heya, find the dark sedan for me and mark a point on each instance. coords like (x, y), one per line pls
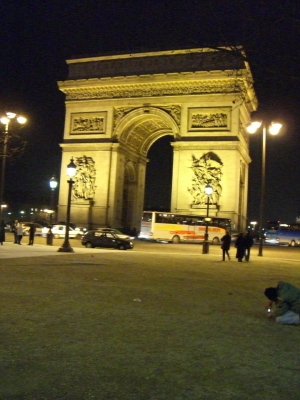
(96, 238)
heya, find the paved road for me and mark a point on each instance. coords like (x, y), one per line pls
(40, 248)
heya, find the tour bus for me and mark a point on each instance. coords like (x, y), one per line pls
(285, 235)
(176, 228)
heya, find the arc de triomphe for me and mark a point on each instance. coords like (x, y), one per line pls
(118, 106)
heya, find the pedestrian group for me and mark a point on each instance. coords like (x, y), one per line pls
(284, 300)
(18, 231)
(243, 246)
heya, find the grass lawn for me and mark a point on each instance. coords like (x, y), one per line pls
(138, 328)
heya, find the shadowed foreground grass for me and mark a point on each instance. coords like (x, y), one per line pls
(126, 328)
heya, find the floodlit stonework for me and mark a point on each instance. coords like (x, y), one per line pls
(118, 106)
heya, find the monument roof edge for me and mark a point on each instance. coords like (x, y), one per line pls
(145, 54)
(172, 61)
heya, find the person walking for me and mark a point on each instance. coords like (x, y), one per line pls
(32, 229)
(19, 232)
(14, 231)
(240, 247)
(226, 240)
(248, 240)
(2, 231)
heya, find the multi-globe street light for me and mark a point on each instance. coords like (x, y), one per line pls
(71, 172)
(273, 128)
(205, 247)
(6, 120)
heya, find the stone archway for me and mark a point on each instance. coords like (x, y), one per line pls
(118, 106)
(136, 131)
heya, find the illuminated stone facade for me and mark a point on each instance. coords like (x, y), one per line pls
(118, 106)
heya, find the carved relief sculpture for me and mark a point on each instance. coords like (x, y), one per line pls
(87, 123)
(209, 119)
(85, 178)
(207, 171)
(120, 112)
(173, 110)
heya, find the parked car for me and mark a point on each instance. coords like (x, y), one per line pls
(97, 238)
(59, 231)
(26, 227)
(72, 225)
(120, 234)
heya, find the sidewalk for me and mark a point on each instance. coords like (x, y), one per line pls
(11, 250)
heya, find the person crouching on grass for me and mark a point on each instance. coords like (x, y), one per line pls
(286, 300)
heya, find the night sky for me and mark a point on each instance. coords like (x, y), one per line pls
(37, 37)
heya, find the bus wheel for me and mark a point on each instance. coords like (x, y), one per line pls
(215, 240)
(292, 244)
(175, 239)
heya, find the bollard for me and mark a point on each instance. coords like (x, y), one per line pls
(50, 238)
(205, 247)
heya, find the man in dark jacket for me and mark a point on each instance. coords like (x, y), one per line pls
(226, 240)
(286, 298)
(240, 247)
(248, 243)
(32, 230)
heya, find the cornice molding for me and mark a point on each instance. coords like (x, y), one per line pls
(92, 91)
(180, 146)
(88, 146)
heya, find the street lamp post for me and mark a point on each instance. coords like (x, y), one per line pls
(5, 120)
(205, 247)
(3, 206)
(253, 223)
(273, 129)
(71, 171)
(53, 185)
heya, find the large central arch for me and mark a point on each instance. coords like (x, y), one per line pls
(140, 128)
(118, 106)
(136, 131)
